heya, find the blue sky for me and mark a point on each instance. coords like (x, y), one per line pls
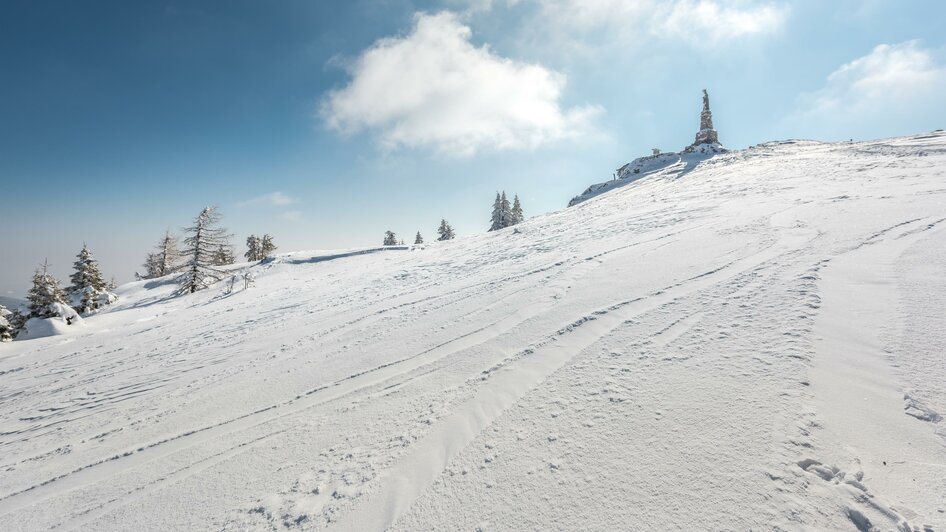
(327, 123)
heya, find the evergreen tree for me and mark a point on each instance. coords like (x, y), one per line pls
(445, 231)
(506, 211)
(203, 243)
(267, 247)
(390, 239)
(165, 260)
(45, 294)
(418, 239)
(223, 256)
(253, 248)
(517, 216)
(7, 331)
(496, 220)
(151, 267)
(259, 248)
(88, 285)
(503, 215)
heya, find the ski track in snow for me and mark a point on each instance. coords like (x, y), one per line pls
(754, 344)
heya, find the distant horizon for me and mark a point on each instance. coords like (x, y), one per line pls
(119, 121)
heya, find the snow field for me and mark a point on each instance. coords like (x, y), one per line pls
(754, 343)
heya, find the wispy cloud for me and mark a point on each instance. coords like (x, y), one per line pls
(434, 89)
(586, 26)
(710, 22)
(894, 82)
(276, 199)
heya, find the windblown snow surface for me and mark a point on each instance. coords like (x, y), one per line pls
(755, 344)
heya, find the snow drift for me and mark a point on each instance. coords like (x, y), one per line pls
(754, 343)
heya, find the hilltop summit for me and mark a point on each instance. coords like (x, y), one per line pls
(704, 146)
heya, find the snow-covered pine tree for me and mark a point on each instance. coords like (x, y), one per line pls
(517, 216)
(445, 231)
(267, 247)
(390, 239)
(203, 242)
(6, 328)
(496, 219)
(505, 211)
(418, 239)
(253, 251)
(45, 294)
(88, 285)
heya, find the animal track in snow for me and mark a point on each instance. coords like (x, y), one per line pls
(915, 408)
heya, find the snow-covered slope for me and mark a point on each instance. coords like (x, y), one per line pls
(755, 343)
(669, 165)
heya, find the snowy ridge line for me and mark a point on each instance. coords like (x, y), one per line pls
(503, 386)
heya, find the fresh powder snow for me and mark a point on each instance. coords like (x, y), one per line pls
(734, 340)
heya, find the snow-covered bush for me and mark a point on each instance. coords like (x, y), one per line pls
(47, 312)
(59, 319)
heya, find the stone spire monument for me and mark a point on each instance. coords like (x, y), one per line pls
(706, 134)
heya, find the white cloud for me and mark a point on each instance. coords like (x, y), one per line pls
(434, 89)
(275, 199)
(893, 84)
(899, 70)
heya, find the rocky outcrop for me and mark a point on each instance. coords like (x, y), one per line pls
(706, 134)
